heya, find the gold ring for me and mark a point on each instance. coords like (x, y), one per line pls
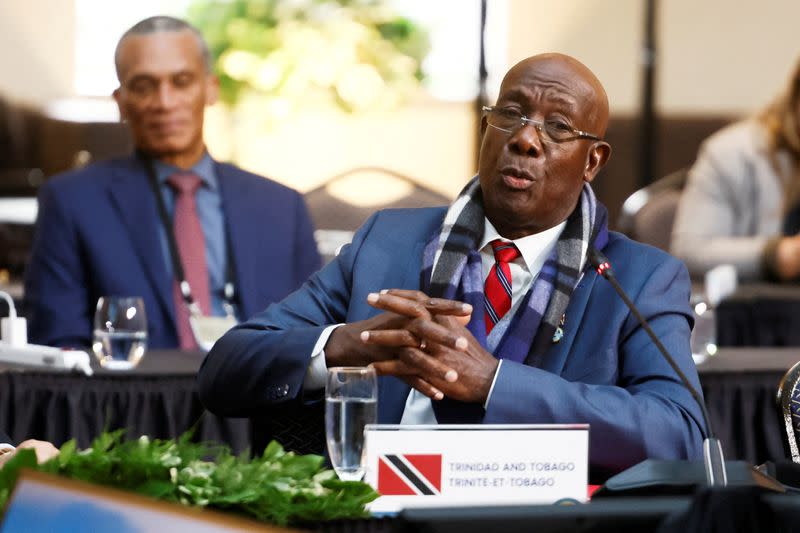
(423, 344)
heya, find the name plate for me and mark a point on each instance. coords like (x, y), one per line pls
(412, 466)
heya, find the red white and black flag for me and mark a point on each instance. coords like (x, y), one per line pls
(410, 475)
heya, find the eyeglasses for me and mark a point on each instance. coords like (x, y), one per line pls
(554, 131)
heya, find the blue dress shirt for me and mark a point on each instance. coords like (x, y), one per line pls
(212, 219)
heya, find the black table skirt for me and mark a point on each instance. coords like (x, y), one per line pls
(744, 415)
(740, 387)
(760, 315)
(158, 399)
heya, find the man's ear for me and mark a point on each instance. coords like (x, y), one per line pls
(484, 124)
(595, 160)
(117, 96)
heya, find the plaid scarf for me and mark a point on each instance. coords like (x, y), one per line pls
(452, 269)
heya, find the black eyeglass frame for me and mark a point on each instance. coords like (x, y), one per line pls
(541, 126)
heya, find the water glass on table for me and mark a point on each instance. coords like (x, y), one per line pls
(704, 334)
(351, 402)
(120, 332)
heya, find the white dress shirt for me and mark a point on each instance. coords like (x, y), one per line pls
(534, 250)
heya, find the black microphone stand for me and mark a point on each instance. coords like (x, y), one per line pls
(713, 459)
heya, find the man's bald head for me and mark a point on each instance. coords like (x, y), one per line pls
(571, 73)
(531, 180)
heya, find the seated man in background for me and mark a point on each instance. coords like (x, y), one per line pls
(741, 204)
(545, 341)
(44, 450)
(241, 240)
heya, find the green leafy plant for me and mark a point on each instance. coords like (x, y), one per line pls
(278, 487)
(354, 54)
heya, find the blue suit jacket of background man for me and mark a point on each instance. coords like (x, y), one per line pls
(98, 234)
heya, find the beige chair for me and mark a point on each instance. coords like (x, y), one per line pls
(649, 213)
(343, 202)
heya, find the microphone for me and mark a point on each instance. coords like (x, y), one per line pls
(713, 460)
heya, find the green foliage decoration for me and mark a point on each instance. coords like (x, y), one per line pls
(279, 487)
(356, 55)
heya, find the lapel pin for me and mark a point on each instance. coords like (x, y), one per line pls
(559, 334)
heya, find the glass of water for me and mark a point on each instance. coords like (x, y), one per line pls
(704, 334)
(351, 402)
(120, 332)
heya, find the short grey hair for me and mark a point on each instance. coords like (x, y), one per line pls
(163, 23)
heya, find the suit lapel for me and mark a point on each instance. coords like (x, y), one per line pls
(411, 273)
(555, 358)
(393, 393)
(241, 234)
(131, 195)
(392, 396)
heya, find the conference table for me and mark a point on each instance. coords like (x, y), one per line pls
(744, 508)
(159, 398)
(760, 314)
(740, 387)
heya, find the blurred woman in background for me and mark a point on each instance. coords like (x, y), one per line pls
(741, 204)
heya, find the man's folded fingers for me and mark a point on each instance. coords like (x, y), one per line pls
(397, 304)
(408, 294)
(424, 387)
(400, 370)
(426, 365)
(390, 337)
(393, 367)
(439, 306)
(438, 333)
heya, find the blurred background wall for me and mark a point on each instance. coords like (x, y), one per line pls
(715, 56)
(717, 60)
(37, 49)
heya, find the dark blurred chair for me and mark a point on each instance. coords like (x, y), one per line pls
(789, 404)
(343, 203)
(649, 213)
(35, 144)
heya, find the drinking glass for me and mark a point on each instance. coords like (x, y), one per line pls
(351, 402)
(120, 332)
(704, 334)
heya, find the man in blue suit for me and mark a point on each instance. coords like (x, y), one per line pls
(488, 311)
(242, 241)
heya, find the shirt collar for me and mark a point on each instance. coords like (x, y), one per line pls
(204, 169)
(533, 248)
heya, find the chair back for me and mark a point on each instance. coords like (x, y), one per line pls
(343, 202)
(649, 213)
(789, 406)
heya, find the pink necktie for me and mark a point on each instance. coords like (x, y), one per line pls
(192, 249)
(497, 289)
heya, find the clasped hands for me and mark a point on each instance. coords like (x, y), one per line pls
(420, 340)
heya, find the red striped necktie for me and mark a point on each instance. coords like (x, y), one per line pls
(192, 249)
(497, 289)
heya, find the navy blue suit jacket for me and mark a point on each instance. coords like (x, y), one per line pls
(4, 438)
(605, 371)
(97, 234)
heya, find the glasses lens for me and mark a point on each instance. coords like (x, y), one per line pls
(505, 119)
(558, 131)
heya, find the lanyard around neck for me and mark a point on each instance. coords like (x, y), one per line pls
(228, 292)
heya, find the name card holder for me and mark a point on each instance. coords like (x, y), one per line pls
(452, 465)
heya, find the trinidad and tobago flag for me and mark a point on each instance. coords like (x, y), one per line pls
(409, 475)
